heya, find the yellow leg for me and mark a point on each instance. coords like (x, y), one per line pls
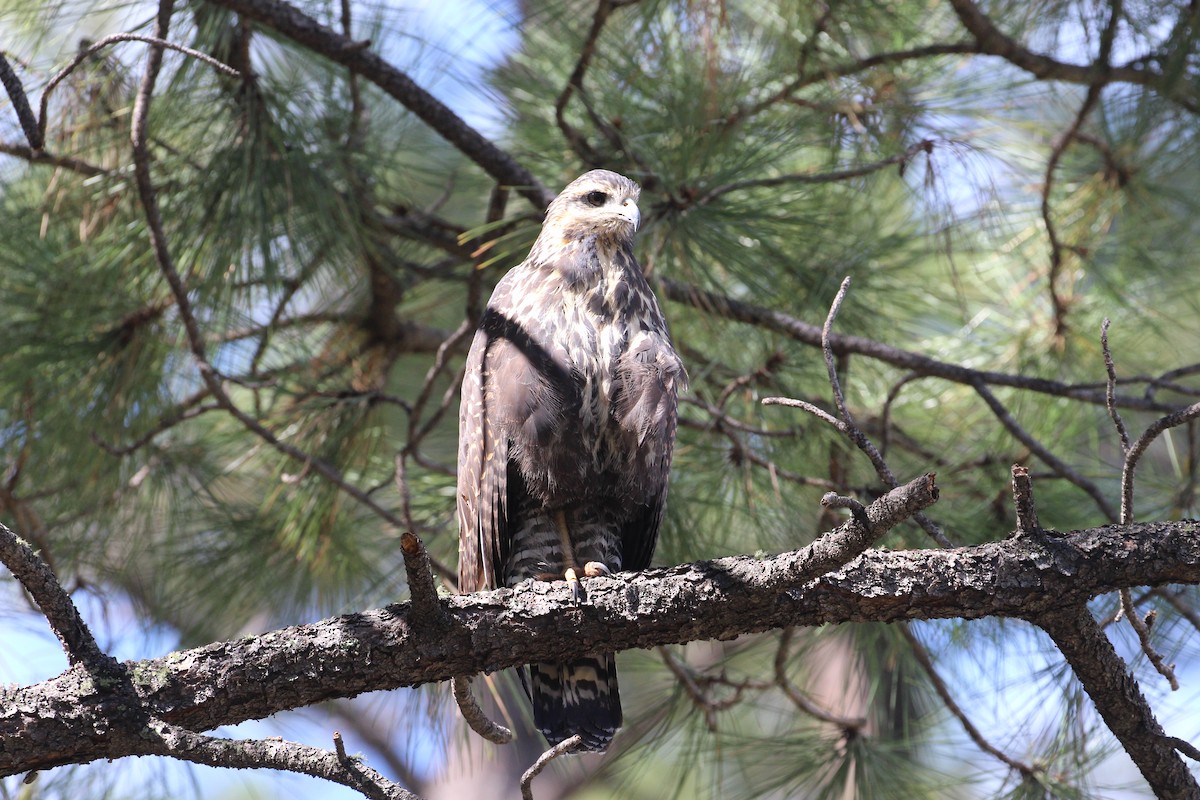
(568, 556)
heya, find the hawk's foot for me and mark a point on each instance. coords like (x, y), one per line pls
(571, 575)
(578, 595)
(594, 569)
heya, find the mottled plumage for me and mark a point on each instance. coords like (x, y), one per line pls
(566, 429)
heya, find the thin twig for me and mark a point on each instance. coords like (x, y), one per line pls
(83, 55)
(1127, 606)
(852, 430)
(1055, 463)
(808, 178)
(1110, 394)
(857, 509)
(163, 738)
(943, 691)
(691, 682)
(1143, 633)
(1185, 747)
(850, 725)
(727, 307)
(562, 748)
(1139, 449)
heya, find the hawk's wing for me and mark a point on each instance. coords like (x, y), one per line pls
(482, 478)
(651, 377)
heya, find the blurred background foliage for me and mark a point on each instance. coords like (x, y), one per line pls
(333, 245)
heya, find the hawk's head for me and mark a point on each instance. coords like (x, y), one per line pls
(597, 203)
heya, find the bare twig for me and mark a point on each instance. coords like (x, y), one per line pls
(1110, 394)
(1055, 463)
(1185, 747)
(846, 424)
(1139, 449)
(562, 748)
(697, 686)
(1143, 633)
(475, 715)
(427, 608)
(852, 430)
(925, 146)
(86, 53)
(1127, 606)
(166, 739)
(1022, 486)
(850, 725)
(857, 510)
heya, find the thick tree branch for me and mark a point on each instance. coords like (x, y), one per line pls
(1119, 700)
(54, 722)
(43, 586)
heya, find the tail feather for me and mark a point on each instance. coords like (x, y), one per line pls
(577, 697)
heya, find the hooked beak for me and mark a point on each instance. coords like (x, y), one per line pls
(629, 211)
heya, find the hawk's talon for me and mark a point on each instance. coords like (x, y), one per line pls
(578, 595)
(594, 569)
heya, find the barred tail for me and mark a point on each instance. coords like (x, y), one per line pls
(579, 697)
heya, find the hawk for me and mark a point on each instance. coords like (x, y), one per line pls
(566, 430)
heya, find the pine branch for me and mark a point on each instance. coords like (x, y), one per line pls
(990, 40)
(54, 722)
(36, 577)
(356, 56)
(807, 333)
(1119, 700)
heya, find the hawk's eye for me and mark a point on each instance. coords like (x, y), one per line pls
(595, 198)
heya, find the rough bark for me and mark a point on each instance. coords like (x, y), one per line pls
(1119, 701)
(72, 719)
